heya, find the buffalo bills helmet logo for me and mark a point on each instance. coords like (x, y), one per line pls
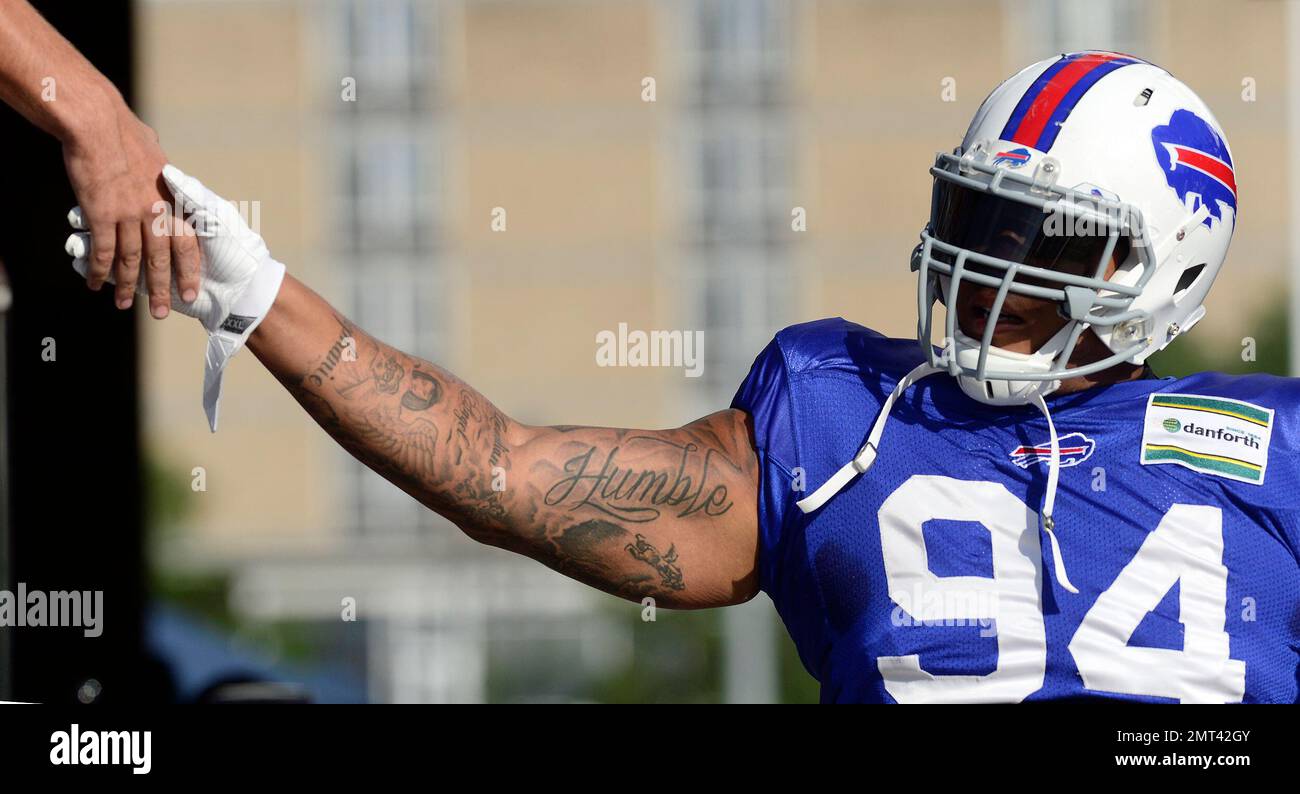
(1196, 163)
(1013, 158)
(1075, 449)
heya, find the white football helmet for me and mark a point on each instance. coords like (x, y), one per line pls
(1078, 156)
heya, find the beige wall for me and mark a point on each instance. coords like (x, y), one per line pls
(1213, 51)
(871, 117)
(570, 151)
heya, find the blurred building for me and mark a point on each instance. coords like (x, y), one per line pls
(667, 214)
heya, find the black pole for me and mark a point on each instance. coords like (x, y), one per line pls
(74, 489)
(6, 652)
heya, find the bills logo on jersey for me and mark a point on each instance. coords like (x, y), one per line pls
(1075, 449)
(1196, 163)
(1013, 158)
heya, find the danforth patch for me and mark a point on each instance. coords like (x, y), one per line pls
(1211, 435)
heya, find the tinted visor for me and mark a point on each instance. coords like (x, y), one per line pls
(1007, 229)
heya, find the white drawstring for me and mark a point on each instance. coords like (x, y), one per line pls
(867, 456)
(1049, 499)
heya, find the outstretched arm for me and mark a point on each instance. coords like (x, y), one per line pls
(665, 513)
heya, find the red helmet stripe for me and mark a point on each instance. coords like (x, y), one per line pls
(1206, 163)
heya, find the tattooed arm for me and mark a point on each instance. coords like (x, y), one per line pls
(664, 513)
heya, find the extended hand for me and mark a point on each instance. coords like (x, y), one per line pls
(125, 205)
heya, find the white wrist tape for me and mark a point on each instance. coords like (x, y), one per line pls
(230, 336)
(238, 282)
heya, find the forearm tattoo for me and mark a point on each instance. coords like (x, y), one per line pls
(588, 502)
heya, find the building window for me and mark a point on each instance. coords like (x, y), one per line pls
(742, 49)
(386, 230)
(1036, 30)
(739, 179)
(1119, 24)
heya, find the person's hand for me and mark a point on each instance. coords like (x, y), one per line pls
(239, 279)
(116, 174)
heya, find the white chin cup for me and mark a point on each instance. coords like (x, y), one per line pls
(1004, 392)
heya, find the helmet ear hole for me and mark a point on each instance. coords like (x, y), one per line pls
(1187, 279)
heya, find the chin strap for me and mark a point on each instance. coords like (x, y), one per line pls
(867, 456)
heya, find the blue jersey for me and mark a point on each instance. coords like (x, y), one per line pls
(929, 578)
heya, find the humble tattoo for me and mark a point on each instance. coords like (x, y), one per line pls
(637, 495)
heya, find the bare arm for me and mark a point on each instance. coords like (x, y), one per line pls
(31, 54)
(113, 159)
(665, 513)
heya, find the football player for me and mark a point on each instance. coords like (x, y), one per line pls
(1034, 514)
